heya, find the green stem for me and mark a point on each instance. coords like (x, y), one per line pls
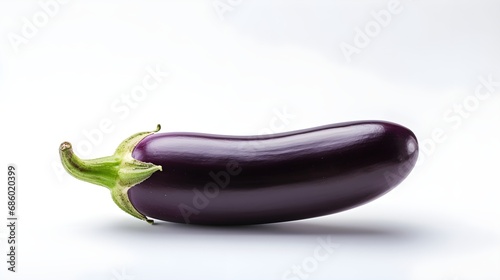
(118, 172)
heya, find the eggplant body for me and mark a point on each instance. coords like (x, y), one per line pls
(237, 180)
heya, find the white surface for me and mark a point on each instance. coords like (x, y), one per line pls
(231, 76)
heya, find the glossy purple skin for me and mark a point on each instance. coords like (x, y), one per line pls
(282, 177)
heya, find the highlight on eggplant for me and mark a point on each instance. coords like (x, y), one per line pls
(197, 178)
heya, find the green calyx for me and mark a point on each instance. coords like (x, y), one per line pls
(118, 172)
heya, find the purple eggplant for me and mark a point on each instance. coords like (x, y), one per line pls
(236, 180)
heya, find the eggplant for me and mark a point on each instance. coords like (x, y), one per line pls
(196, 178)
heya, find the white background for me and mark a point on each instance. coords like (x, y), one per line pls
(234, 71)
